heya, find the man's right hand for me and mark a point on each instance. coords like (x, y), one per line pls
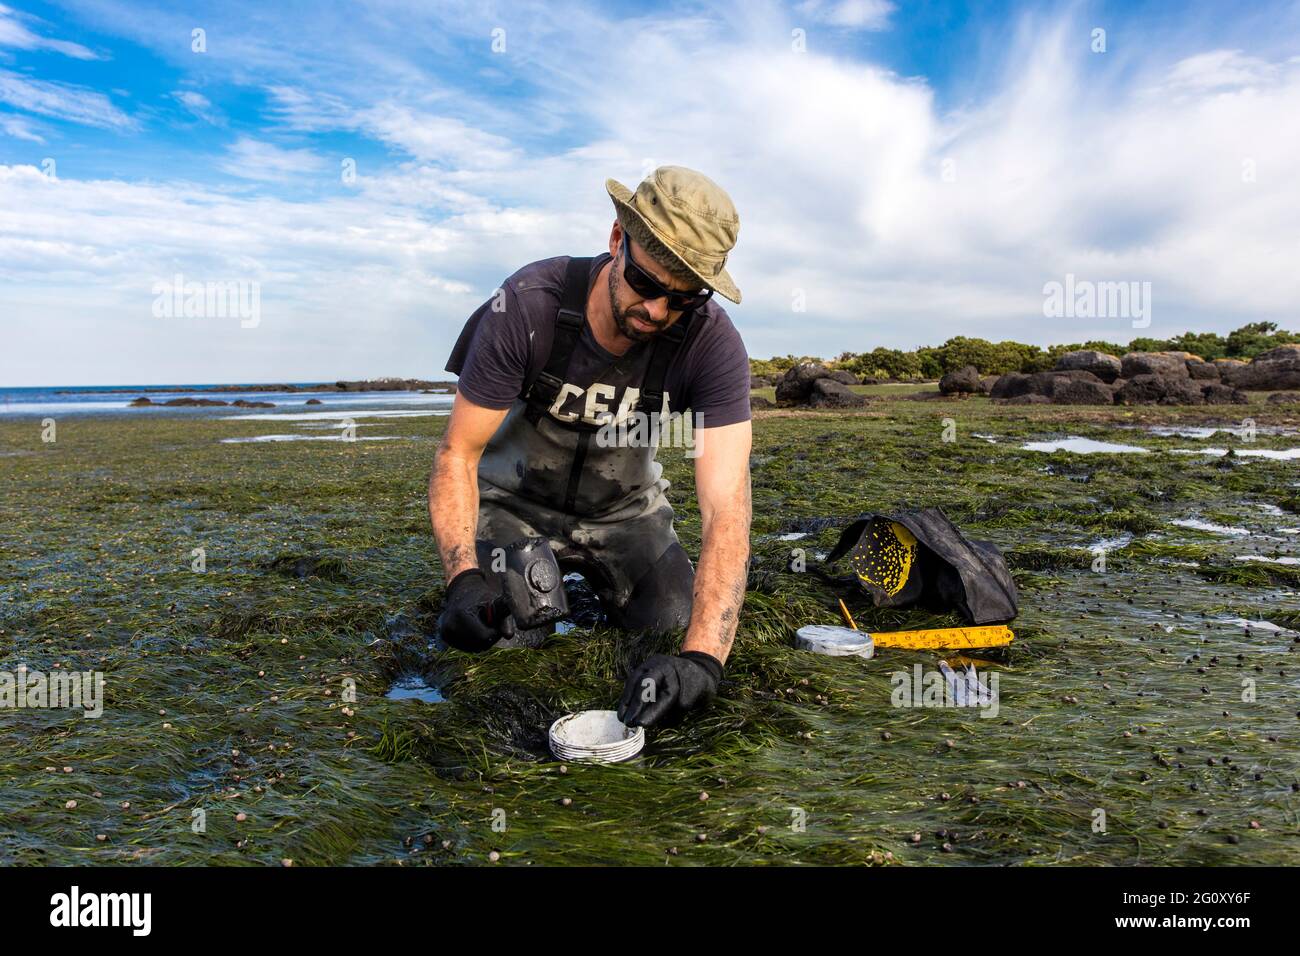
(473, 617)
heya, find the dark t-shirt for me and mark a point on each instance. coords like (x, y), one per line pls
(506, 342)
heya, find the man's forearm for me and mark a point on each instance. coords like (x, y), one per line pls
(720, 580)
(453, 510)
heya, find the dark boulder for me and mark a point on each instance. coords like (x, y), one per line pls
(1284, 398)
(1216, 393)
(1039, 383)
(1082, 392)
(761, 381)
(1159, 390)
(1010, 385)
(313, 401)
(843, 377)
(140, 402)
(796, 384)
(1269, 371)
(758, 401)
(828, 393)
(1172, 364)
(963, 381)
(1202, 371)
(1105, 367)
(245, 403)
(1028, 399)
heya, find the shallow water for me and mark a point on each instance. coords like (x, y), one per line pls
(1196, 524)
(269, 438)
(1275, 454)
(413, 687)
(1084, 446)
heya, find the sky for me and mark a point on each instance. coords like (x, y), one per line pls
(366, 174)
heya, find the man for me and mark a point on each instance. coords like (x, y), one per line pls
(564, 350)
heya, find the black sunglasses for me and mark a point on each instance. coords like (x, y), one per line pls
(648, 287)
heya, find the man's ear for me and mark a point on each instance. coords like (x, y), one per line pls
(615, 238)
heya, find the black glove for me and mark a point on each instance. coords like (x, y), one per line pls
(473, 617)
(681, 684)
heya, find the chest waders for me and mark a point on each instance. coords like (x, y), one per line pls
(547, 473)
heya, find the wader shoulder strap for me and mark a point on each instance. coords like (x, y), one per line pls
(666, 346)
(541, 394)
(543, 391)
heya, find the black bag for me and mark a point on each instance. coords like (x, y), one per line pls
(919, 557)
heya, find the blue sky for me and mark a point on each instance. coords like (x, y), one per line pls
(906, 171)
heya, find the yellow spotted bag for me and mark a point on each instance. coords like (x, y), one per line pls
(920, 557)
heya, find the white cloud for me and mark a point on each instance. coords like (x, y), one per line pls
(254, 159)
(1171, 169)
(438, 139)
(16, 36)
(19, 127)
(61, 101)
(199, 105)
(855, 14)
(1219, 70)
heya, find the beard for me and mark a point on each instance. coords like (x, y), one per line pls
(622, 317)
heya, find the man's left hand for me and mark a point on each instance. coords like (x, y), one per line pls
(664, 689)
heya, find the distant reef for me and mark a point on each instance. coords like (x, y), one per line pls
(372, 385)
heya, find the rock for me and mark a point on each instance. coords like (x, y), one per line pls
(1154, 363)
(1269, 371)
(760, 381)
(1028, 399)
(245, 403)
(828, 393)
(1049, 383)
(868, 380)
(1216, 393)
(796, 384)
(758, 401)
(813, 384)
(1082, 392)
(964, 381)
(141, 402)
(1283, 353)
(1228, 368)
(193, 402)
(1284, 398)
(1105, 367)
(313, 401)
(1160, 390)
(1014, 384)
(1011, 385)
(987, 382)
(1202, 371)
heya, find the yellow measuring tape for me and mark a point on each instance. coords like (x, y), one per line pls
(987, 635)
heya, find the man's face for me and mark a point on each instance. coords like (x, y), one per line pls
(639, 319)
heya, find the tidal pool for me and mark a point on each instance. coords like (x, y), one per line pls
(1084, 446)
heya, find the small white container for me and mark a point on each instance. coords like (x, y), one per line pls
(595, 736)
(834, 641)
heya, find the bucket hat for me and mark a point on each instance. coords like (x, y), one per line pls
(685, 214)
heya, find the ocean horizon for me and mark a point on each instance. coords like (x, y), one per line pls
(116, 399)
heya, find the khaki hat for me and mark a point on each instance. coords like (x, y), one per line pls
(685, 214)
